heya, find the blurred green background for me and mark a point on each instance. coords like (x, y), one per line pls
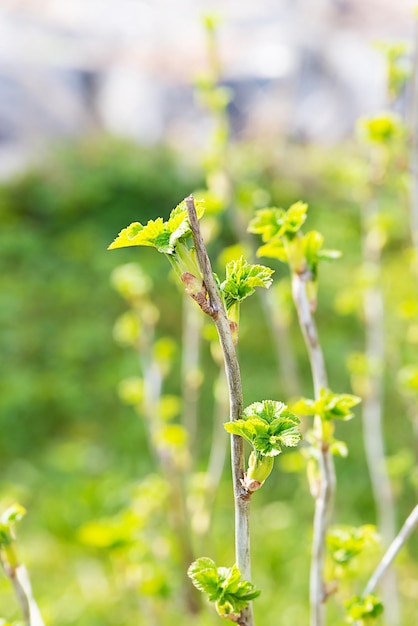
(96, 538)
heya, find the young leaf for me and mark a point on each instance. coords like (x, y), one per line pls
(157, 233)
(267, 223)
(346, 542)
(294, 218)
(274, 249)
(222, 585)
(241, 280)
(273, 222)
(204, 575)
(268, 426)
(360, 609)
(382, 129)
(329, 406)
(312, 246)
(13, 514)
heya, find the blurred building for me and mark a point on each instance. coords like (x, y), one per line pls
(304, 67)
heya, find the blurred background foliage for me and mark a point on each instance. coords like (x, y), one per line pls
(97, 538)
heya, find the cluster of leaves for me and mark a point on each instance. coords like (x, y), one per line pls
(171, 237)
(382, 129)
(329, 406)
(240, 282)
(398, 69)
(7, 522)
(346, 542)
(280, 232)
(268, 426)
(363, 610)
(174, 239)
(223, 586)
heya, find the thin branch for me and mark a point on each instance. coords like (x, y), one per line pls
(326, 487)
(214, 307)
(401, 538)
(19, 578)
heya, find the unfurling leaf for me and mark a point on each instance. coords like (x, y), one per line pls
(346, 542)
(383, 129)
(268, 426)
(329, 405)
(223, 586)
(241, 280)
(312, 246)
(274, 223)
(157, 233)
(361, 609)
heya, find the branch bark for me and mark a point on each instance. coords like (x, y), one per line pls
(326, 487)
(401, 538)
(214, 307)
(19, 577)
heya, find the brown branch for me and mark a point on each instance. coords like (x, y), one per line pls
(216, 310)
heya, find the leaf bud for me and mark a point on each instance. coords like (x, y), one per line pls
(259, 468)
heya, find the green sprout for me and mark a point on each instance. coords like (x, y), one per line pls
(329, 406)
(240, 282)
(223, 586)
(280, 232)
(346, 542)
(173, 238)
(382, 129)
(268, 426)
(363, 610)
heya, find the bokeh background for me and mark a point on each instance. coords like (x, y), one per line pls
(112, 113)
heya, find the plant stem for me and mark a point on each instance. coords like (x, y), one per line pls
(326, 487)
(372, 413)
(19, 577)
(401, 538)
(241, 497)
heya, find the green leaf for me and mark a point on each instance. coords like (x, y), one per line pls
(268, 426)
(329, 406)
(274, 249)
(274, 223)
(157, 233)
(312, 247)
(294, 218)
(222, 585)
(383, 129)
(13, 514)
(267, 223)
(241, 280)
(346, 542)
(367, 608)
(204, 575)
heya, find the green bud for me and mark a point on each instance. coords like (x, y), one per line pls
(259, 468)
